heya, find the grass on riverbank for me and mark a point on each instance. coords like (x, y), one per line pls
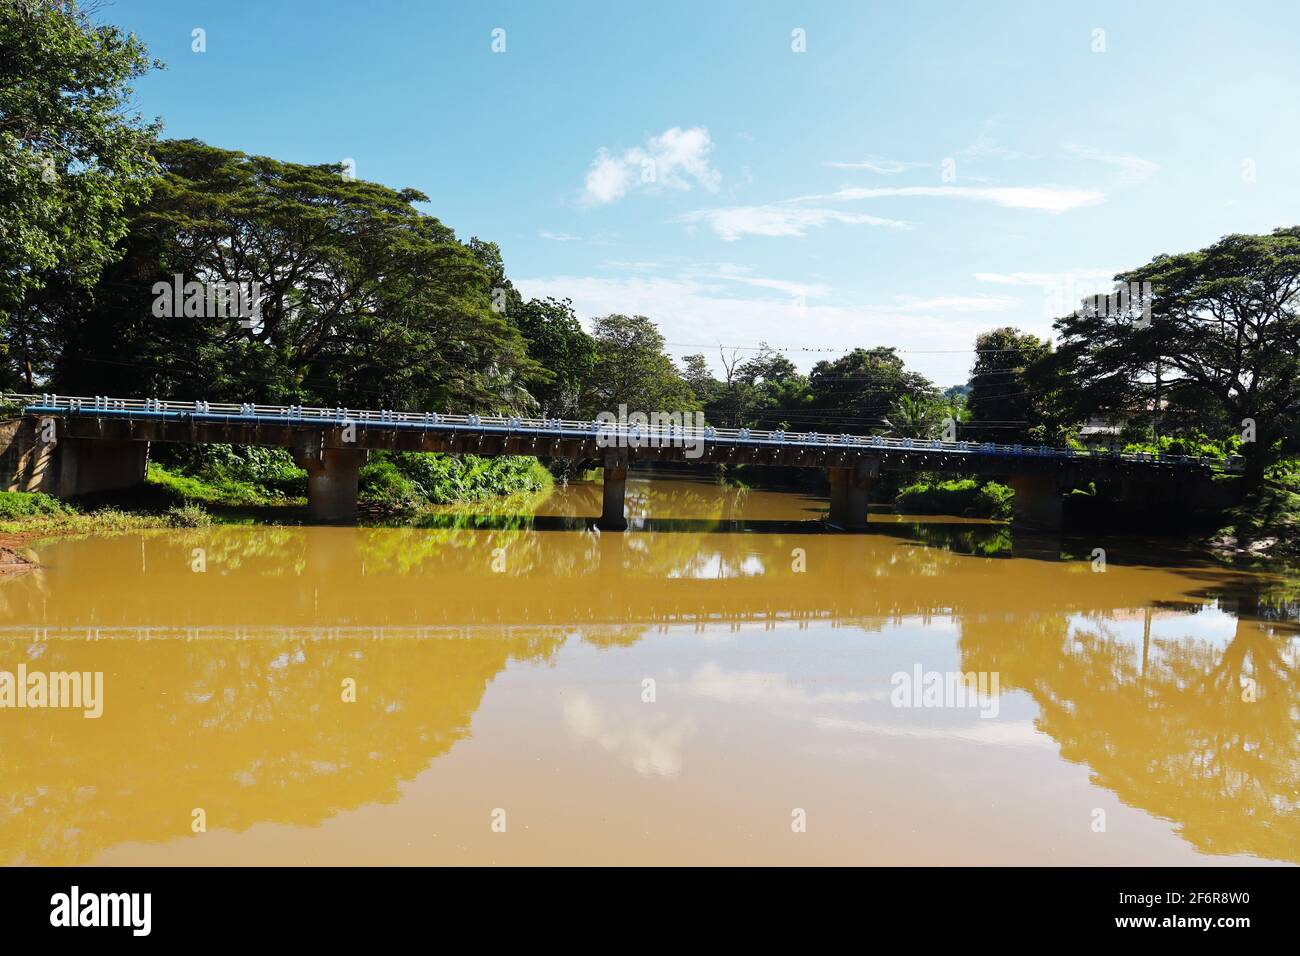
(1265, 525)
(184, 491)
(33, 514)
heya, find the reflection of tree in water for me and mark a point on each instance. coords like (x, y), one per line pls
(268, 551)
(606, 636)
(985, 540)
(254, 730)
(251, 731)
(1164, 723)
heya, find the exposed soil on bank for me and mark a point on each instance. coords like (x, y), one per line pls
(13, 558)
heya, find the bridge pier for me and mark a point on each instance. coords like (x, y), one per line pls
(1139, 493)
(332, 478)
(98, 464)
(88, 465)
(613, 492)
(67, 466)
(849, 490)
(1038, 505)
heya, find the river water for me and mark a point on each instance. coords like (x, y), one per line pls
(724, 683)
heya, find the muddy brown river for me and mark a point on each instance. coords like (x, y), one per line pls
(724, 683)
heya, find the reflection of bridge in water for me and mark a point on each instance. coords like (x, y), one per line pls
(567, 581)
(69, 445)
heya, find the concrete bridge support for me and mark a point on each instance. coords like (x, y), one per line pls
(1038, 504)
(33, 458)
(849, 490)
(87, 465)
(613, 492)
(332, 479)
(1141, 493)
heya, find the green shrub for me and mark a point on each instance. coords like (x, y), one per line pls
(1195, 445)
(26, 504)
(188, 515)
(237, 474)
(402, 481)
(994, 500)
(381, 481)
(211, 490)
(964, 496)
(411, 479)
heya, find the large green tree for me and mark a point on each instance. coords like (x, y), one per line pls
(763, 391)
(703, 383)
(1012, 397)
(565, 352)
(773, 389)
(73, 158)
(1223, 331)
(857, 392)
(633, 369)
(365, 300)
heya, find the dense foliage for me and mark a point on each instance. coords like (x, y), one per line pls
(1006, 404)
(1220, 350)
(231, 475)
(72, 160)
(964, 496)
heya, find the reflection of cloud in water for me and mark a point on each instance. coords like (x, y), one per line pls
(795, 701)
(1210, 623)
(713, 567)
(648, 742)
(1020, 733)
(771, 688)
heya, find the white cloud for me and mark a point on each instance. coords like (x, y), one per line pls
(765, 687)
(1053, 199)
(607, 179)
(649, 743)
(954, 303)
(1045, 279)
(879, 164)
(733, 222)
(698, 311)
(729, 272)
(631, 265)
(996, 733)
(676, 159)
(1132, 169)
(1062, 291)
(987, 147)
(559, 236)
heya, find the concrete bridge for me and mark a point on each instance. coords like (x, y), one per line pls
(67, 446)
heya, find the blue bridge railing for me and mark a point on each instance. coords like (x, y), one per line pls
(611, 434)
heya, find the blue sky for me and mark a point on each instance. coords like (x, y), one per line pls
(919, 173)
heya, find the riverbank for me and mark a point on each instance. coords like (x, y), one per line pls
(1265, 528)
(30, 516)
(259, 485)
(240, 477)
(421, 490)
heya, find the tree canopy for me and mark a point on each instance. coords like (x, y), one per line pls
(857, 391)
(1012, 398)
(72, 160)
(1223, 334)
(565, 352)
(633, 369)
(364, 299)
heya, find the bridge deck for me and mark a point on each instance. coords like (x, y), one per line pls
(253, 423)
